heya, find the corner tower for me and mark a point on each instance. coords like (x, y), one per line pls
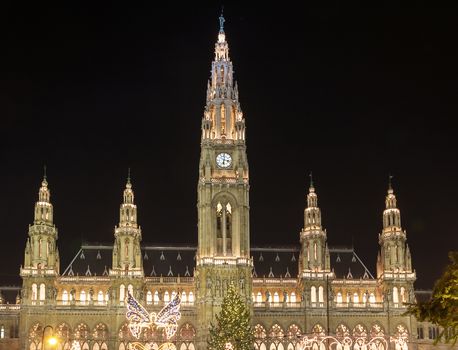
(127, 260)
(394, 263)
(41, 256)
(223, 255)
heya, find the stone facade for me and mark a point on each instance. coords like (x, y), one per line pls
(310, 288)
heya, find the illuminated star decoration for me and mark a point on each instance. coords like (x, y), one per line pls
(139, 318)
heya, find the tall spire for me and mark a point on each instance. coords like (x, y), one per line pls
(43, 208)
(312, 205)
(391, 214)
(128, 211)
(223, 117)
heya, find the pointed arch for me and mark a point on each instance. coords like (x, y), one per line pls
(318, 330)
(276, 332)
(81, 331)
(294, 332)
(100, 332)
(259, 332)
(342, 331)
(187, 332)
(359, 331)
(313, 294)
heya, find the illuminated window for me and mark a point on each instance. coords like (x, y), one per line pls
(276, 298)
(191, 297)
(372, 298)
(184, 297)
(320, 294)
(339, 298)
(42, 292)
(403, 294)
(395, 295)
(100, 297)
(356, 298)
(64, 297)
(292, 297)
(224, 229)
(156, 297)
(2, 331)
(149, 297)
(259, 297)
(166, 297)
(122, 293)
(83, 297)
(34, 291)
(313, 294)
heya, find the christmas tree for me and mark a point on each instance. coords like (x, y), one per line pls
(233, 325)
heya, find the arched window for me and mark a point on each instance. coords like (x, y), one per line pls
(100, 297)
(403, 295)
(259, 297)
(130, 288)
(293, 332)
(313, 294)
(320, 294)
(2, 331)
(359, 331)
(122, 294)
(318, 330)
(156, 297)
(184, 297)
(259, 332)
(395, 296)
(166, 297)
(223, 228)
(276, 332)
(339, 298)
(191, 298)
(100, 332)
(372, 298)
(149, 298)
(64, 297)
(42, 292)
(276, 298)
(173, 295)
(34, 292)
(355, 298)
(83, 297)
(292, 298)
(342, 331)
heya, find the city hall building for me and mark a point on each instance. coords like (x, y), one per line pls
(306, 289)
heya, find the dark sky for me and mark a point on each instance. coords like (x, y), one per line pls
(351, 93)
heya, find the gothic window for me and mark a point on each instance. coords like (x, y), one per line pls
(342, 331)
(122, 292)
(126, 254)
(63, 331)
(184, 297)
(2, 331)
(173, 295)
(420, 333)
(100, 297)
(124, 332)
(318, 330)
(276, 332)
(156, 297)
(223, 119)
(224, 228)
(372, 298)
(339, 298)
(82, 331)
(83, 297)
(315, 253)
(166, 297)
(294, 332)
(64, 297)
(39, 248)
(34, 292)
(100, 332)
(130, 288)
(259, 297)
(42, 292)
(395, 296)
(276, 297)
(377, 331)
(359, 331)
(355, 298)
(313, 294)
(149, 298)
(292, 298)
(259, 332)
(191, 298)
(187, 332)
(403, 295)
(35, 334)
(320, 294)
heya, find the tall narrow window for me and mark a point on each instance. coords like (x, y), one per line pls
(156, 297)
(149, 298)
(166, 297)
(184, 297)
(293, 297)
(320, 294)
(2, 331)
(42, 292)
(355, 298)
(276, 297)
(34, 292)
(223, 119)
(191, 297)
(83, 297)
(395, 296)
(39, 248)
(339, 298)
(122, 294)
(403, 294)
(313, 294)
(65, 297)
(228, 229)
(315, 253)
(219, 229)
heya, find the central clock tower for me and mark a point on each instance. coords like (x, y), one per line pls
(223, 255)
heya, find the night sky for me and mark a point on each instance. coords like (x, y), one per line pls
(352, 94)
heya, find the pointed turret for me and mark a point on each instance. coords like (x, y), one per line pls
(394, 264)
(128, 235)
(223, 117)
(313, 238)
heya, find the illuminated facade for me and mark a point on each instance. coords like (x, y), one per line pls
(305, 289)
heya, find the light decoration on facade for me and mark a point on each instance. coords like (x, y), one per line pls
(357, 343)
(75, 345)
(139, 318)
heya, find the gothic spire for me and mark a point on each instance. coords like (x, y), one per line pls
(391, 214)
(128, 211)
(43, 208)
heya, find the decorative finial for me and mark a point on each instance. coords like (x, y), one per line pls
(311, 179)
(390, 187)
(221, 20)
(44, 172)
(128, 175)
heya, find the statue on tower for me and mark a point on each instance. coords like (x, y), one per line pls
(221, 21)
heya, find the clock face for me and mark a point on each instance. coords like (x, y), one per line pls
(224, 160)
